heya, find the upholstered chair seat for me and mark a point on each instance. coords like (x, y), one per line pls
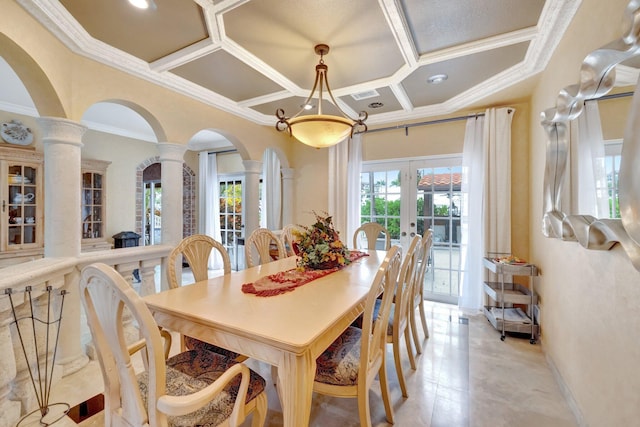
(191, 371)
(339, 363)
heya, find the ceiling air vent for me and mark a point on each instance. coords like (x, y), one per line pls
(365, 95)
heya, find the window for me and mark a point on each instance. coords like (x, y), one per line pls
(612, 158)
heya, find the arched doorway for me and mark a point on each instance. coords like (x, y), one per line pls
(149, 201)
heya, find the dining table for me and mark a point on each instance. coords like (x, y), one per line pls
(288, 330)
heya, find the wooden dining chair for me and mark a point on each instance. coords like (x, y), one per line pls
(196, 250)
(288, 237)
(418, 291)
(398, 327)
(371, 231)
(262, 240)
(188, 389)
(348, 367)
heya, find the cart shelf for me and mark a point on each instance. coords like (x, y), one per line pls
(514, 293)
(501, 296)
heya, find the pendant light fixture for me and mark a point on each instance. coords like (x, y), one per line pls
(143, 4)
(320, 130)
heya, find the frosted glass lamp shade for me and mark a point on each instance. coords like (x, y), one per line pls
(319, 130)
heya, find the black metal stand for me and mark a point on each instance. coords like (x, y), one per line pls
(41, 376)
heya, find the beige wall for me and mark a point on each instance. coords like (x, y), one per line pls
(590, 300)
(121, 175)
(613, 114)
(310, 182)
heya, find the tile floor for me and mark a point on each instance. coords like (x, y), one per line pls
(466, 376)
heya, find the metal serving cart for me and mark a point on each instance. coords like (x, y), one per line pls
(502, 296)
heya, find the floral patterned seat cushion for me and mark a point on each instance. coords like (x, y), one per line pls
(195, 344)
(191, 371)
(340, 362)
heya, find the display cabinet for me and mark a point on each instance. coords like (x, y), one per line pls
(93, 205)
(21, 217)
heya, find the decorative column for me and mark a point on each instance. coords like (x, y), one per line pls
(171, 158)
(287, 195)
(251, 196)
(62, 140)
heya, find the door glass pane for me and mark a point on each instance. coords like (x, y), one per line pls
(231, 220)
(380, 202)
(152, 212)
(438, 208)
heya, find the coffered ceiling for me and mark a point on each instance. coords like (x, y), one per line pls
(253, 57)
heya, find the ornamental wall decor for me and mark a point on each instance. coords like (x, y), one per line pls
(16, 133)
(597, 77)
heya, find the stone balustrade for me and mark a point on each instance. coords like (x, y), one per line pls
(17, 395)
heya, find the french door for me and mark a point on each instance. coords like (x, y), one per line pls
(409, 197)
(231, 220)
(152, 212)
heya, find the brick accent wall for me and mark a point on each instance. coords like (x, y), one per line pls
(188, 197)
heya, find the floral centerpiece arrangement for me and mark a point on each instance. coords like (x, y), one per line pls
(319, 247)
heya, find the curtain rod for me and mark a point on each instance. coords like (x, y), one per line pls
(223, 151)
(430, 122)
(455, 119)
(611, 96)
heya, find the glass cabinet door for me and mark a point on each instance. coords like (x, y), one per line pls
(92, 205)
(22, 205)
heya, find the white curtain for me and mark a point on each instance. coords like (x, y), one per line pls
(338, 187)
(472, 218)
(497, 140)
(588, 181)
(209, 211)
(345, 163)
(271, 191)
(354, 168)
(487, 192)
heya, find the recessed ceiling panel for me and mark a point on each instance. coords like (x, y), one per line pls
(292, 105)
(438, 24)
(227, 75)
(462, 73)
(264, 49)
(385, 102)
(283, 33)
(147, 34)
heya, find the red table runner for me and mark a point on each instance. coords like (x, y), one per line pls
(286, 281)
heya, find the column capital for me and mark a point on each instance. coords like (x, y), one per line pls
(56, 130)
(171, 152)
(252, 166)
